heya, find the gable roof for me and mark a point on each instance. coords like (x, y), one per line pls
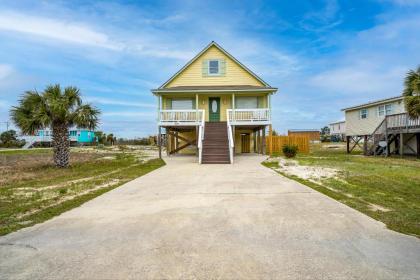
(373, 103)
(213, 43)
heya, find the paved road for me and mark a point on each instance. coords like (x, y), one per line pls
(210, 221)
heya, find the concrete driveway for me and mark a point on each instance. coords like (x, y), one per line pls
(210, 221)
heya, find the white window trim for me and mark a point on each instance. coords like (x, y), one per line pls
(384, 109)
(360, 114)
(218, 68)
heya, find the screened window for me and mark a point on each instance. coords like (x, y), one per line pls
(363, 114)
(246, 102)
(182, 104)
(213, 67)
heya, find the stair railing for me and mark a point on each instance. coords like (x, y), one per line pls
(201, 137)
(231, 143)
(378, 135)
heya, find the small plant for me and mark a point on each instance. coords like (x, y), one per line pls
(290, 151)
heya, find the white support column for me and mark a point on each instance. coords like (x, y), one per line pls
(196, 108)
(269, 105)
(159, 99)
(233, 107)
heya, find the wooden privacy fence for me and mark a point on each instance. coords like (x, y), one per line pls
(276, 143)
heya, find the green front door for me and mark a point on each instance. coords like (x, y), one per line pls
(214, 109)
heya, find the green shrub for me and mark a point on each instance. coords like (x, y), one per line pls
(290, 151)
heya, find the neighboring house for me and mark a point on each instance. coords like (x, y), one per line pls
(338, 130)
(383, 126)
(314, 135)
(80, 136)
(214, 107)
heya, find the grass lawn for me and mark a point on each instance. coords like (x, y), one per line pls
(386, 189)
(32, 190)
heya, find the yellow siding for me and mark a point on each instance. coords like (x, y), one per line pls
(235, 74)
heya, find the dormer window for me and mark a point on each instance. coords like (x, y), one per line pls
(214, 67)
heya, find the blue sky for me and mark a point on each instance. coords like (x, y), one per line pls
(322, 55)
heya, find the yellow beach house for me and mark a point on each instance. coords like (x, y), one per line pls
(214, 107)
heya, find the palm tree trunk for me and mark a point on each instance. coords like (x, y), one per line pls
(61, 145)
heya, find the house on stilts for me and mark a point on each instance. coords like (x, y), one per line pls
(382, 127)
(214, 107)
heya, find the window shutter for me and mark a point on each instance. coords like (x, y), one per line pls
(222, 66)
(205, 68)
(194, 103)
(168, 104)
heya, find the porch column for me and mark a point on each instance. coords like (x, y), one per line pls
(254, 134)
(270, 134)
(259, 140)
(233, 107)
(269, 106)
(263, 141)
(158, 107)
(196, 108)
(168, 130)
(159, 142)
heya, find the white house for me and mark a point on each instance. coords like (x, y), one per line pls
(338, 129)
(383, 126)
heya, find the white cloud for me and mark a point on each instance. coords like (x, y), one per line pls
(5, 71)
(109, 101)
(128, 114)
(56, 29)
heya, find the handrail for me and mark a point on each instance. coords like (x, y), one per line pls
(231, 143)
(201, 138)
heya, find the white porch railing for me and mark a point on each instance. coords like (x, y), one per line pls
(249, 116)
(181, 117)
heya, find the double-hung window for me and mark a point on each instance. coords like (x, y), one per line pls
(384, 110)
(363, 114)
(182, 104)
(214, 67)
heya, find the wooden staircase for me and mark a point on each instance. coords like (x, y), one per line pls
(215, 143)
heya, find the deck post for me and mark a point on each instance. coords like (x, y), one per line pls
(365, 139)
(386, 137)
(258, 142)
(418, 144)
(160, 142)
(168, 131)
(254, 133)
(263, 141)
(401, 144)
(348, 144)
(270, 134)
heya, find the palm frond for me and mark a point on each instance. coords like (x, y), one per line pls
(85, 116)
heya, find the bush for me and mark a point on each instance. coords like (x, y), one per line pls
(290, 151)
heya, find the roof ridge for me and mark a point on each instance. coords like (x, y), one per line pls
(213, 43)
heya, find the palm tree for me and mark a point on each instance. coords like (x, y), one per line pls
(412, 93)
(110, 139)
(58, 110)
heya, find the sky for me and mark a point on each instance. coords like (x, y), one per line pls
(322, 55)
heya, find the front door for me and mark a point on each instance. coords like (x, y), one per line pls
(214, 109)
(245, 143)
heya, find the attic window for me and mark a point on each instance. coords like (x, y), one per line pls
(214, 67)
